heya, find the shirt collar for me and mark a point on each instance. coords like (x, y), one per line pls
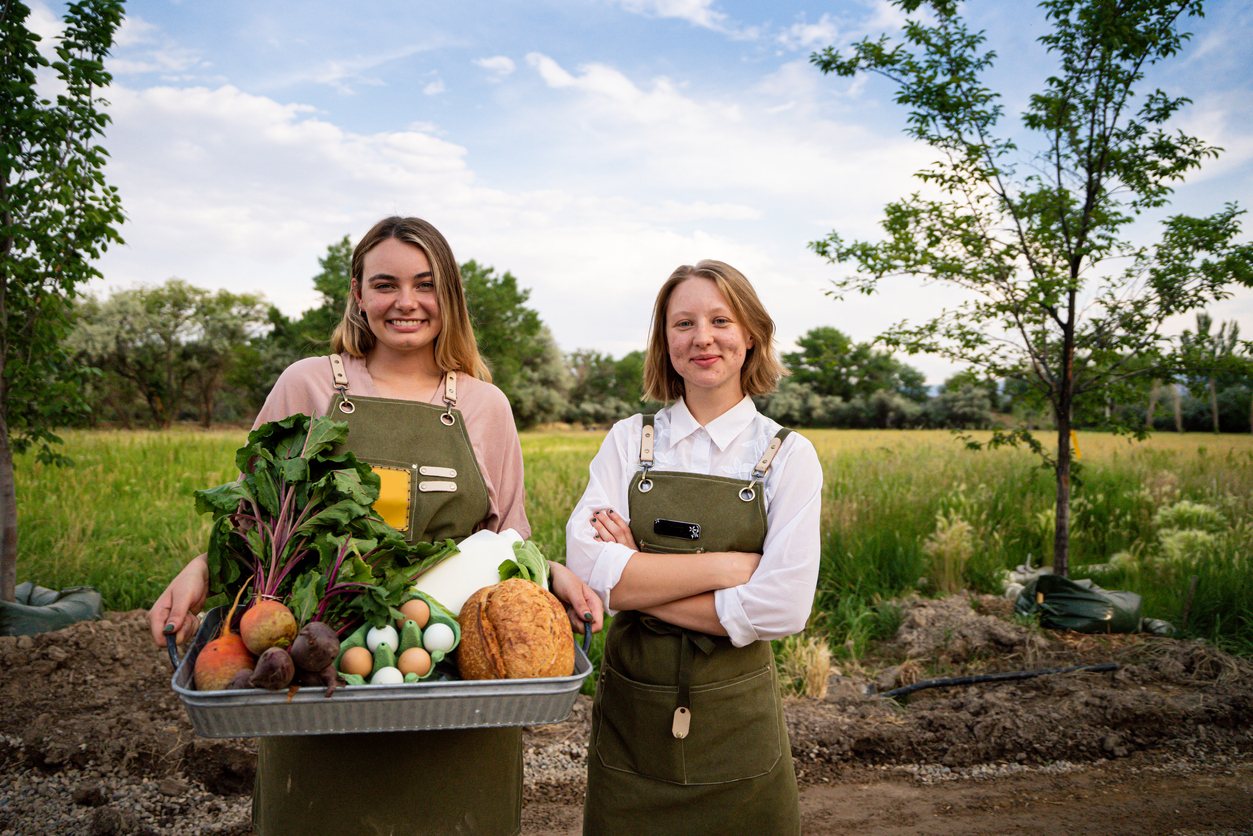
(722, 430)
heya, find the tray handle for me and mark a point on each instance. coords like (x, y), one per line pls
(172, 647)
(587, 635)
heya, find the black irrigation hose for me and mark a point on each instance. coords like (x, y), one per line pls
(994, 677)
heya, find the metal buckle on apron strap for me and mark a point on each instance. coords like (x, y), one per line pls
(749, 491)
(450, 399)
(646, 455)
(341, 383)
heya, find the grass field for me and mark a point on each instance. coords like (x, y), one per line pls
(902, 511)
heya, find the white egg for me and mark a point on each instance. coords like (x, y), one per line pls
(387, 676)
(438, 636)
(382, 635)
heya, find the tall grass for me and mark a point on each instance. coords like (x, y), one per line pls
(901, 511)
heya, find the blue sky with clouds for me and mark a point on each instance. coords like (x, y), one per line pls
(586, 146)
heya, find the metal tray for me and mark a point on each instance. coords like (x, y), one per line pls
(373, 708)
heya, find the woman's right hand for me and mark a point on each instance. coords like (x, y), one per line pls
(175, 610)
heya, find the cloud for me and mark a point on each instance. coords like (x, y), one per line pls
(434, 88)
(696, 12)
(499, 65)
(802, 35)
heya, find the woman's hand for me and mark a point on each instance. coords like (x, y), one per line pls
(583, 606)
(175, 610)
(611, 528)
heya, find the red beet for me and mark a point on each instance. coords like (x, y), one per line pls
(240, 682)
(274, 670)
(315, 647)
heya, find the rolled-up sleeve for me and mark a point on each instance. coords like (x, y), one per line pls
(777, 600)
(600, 564)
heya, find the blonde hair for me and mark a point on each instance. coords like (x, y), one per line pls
(761, 370)
(455, 346)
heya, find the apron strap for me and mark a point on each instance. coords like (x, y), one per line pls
(763, 465)
(450, 397)
(341, 383)
(689, 642)
(648, 435)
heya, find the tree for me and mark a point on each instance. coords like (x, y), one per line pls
(831, 364)
(166, 342)
(603, 389)
(1052, 285)
(1210, 354)
(57, 214)
(312, 332)
(510, 335)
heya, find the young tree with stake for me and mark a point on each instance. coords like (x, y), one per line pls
(1055, 293)
(56, 215)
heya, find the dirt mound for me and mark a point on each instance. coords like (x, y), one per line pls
(93, 740)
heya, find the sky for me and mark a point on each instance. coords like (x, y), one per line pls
(588, 147)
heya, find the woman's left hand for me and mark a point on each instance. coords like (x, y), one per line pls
(583, 606)
(611, 528)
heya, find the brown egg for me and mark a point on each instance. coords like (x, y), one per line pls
(357, 660)
(414, 660)
(417, 610)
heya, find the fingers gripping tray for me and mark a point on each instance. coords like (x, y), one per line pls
(456, 704)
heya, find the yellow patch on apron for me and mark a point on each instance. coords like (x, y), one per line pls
(395, 496)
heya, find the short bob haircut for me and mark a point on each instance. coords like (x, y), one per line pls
(761, 371)
(455, 346)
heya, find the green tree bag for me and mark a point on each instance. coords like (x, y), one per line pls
(38, 610)
(1081, 606)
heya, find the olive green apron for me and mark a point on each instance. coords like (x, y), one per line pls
(466, 781)
(688, 733)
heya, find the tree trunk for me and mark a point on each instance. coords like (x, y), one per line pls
(1064, 404)
(1061, 531)
(8, 515)
(1178, 408)
(1152, 407)
(1213, 403)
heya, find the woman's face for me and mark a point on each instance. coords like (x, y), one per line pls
(397, 295)
(707, 345)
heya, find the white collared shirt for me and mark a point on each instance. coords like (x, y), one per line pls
(776, 601)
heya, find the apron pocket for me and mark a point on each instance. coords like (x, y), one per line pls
(735, 731)
(395, 501)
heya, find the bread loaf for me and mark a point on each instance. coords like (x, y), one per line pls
(514, 630)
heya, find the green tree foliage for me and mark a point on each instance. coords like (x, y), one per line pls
(168, 344)
(525, 362)
(1214, 360)
(57, 214)
(309, 335)
(604, 390)
(1036, 236)
(831, 364)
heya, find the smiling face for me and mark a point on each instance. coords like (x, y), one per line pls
(398, 297)
(706, 344)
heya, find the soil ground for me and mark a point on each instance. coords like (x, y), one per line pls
(94, 741)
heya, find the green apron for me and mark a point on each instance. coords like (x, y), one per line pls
(465, 781)
(688, 733)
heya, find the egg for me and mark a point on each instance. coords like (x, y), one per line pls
(414, 660)
(387, 676)
(439, 637)
(415, 609)
(382, 635)
(356, 660)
